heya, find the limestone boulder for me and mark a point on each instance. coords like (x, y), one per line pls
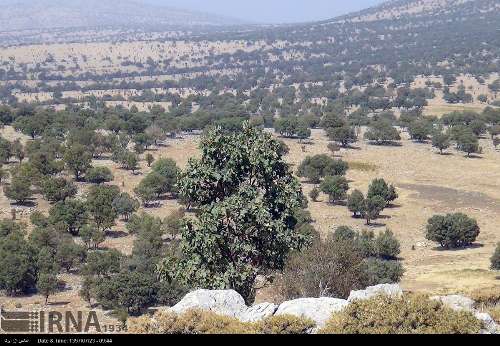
(391, 290)
(319, 310)
(222, 302)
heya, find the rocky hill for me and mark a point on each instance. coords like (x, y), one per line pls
(45, 14)
(401, 9)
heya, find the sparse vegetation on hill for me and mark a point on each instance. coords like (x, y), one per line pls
(188, 157)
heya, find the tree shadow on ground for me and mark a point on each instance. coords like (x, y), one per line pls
(28, 203)
(376, 224)
(58, 303)
(472, 246)
(116, 234)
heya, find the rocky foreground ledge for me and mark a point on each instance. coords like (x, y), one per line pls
(230, 303)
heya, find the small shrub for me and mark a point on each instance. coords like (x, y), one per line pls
(314, 194)
(495, 259)
(284, 324)
(387, 246)
(206, 322)
(379, 271)
(412, 314)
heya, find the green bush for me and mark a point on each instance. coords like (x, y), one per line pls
(314, 168)
(453, 230)
(379, 271)
(495, 259)
(387, 246)
(413, 314)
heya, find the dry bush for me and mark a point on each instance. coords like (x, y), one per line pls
(284, 324)
(494, 312)
(191, 322)
(488, 300)
(141, 325)
(411, 314)
(326, 268)
(486, 296)
(205, 322)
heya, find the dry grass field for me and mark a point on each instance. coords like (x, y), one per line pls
(427, 183)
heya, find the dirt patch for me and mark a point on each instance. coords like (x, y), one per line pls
(453, 197)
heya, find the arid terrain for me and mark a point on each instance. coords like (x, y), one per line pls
(427, 184)
(421, 69)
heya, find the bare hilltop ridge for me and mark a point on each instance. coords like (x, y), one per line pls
(51, 14)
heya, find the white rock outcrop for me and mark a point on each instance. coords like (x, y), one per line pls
(391, 290)
(223, 302)
(461, 303)
(259, 312)
(319, 310)
(456, 302)
(230, 303)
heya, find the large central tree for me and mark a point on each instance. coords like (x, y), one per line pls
(246, 196)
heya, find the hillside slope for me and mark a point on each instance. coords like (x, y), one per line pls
(44, 14)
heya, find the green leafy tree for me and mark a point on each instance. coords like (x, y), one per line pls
(71, 215)
(452, 230)
(335, 187)
(331, 268)
(5, 150)
(468, 143)
(8, 226)
(17, 264)
(373, 207)
(314, 168)
(387, 246)
(146, 193)
(99, 204)
(420, 130)
(494, 130)
(103, 263)
(343, 135)
(99, 175)
(495, 259)
(78, 159)
(125, 205)
(379, 187)
(174, 222)
(379, 271)
(356, 203)
(19, 189)
(58, 189)
(246, 225)
(344, 233)
(129, 161)
(18, 150)
(47, 285)
(69, 254)
(441, 141)
(167, 168)
(144, 223)
(382, 132)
